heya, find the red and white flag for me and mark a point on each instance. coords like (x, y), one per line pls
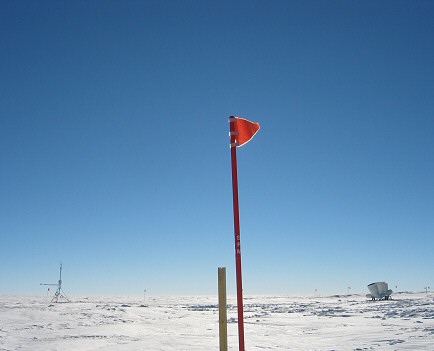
(242, 130)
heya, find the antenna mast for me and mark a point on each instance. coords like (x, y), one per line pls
(60, 294)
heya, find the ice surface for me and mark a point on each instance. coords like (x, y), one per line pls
(191, 323)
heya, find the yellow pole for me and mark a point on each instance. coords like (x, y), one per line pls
(223, 317)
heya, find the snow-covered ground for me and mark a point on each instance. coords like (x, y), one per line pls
(191, 323)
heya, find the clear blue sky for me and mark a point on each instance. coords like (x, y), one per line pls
(115, 158)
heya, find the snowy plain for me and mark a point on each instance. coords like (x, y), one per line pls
(346, 322)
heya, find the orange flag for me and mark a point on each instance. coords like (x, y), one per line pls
(242, 130)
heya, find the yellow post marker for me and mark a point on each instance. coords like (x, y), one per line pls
(223, 315)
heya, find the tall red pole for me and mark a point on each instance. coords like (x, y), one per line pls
(240, 305)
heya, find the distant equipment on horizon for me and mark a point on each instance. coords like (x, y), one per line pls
(379, 291)
(60, 294)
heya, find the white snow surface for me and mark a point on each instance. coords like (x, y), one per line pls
(346, 322)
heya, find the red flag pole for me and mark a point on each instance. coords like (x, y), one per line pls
(240, 306)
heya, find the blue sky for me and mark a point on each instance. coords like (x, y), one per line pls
(115, 158)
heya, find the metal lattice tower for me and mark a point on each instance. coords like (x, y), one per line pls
(60, 294)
